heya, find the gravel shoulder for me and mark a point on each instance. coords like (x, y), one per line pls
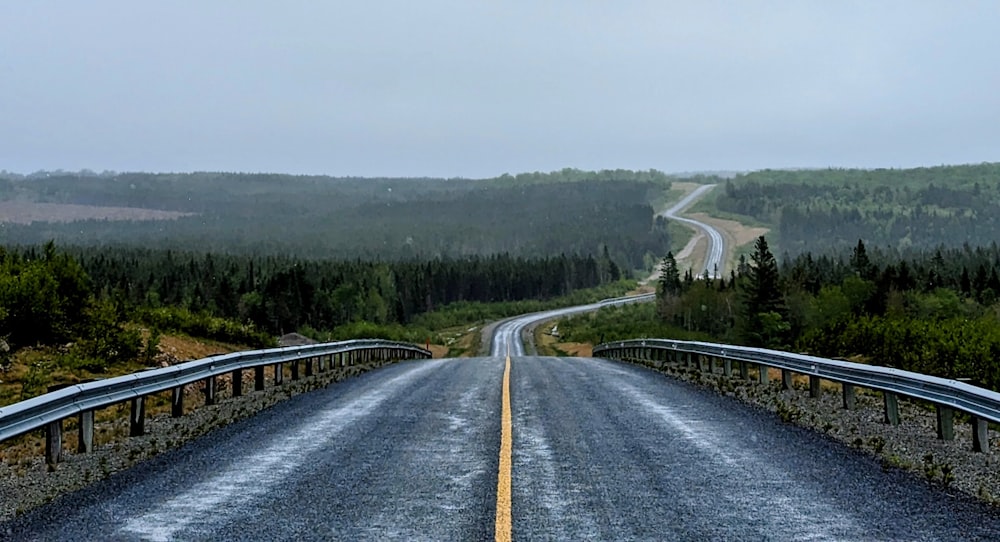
(913, 447)
(29, 482)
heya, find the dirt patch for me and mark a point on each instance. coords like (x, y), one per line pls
(439, 350)
(694, 254)
(19, 212)
(187, 349)
(579, 350)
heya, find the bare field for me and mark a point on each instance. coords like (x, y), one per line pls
(694, 253)
(20, 212)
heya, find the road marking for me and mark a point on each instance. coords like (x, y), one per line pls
(503, 524)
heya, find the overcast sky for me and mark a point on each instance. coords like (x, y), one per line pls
(477, 88)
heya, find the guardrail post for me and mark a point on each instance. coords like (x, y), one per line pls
(945, 423)
(237, 383)
(177, 402)
(891, 407)
(210, 390)
(814, 389)
(848, 396)
(321, 364)
(786, 379)
(137, 417)
(85, 432)
(295, 369)
(744, 370)
(980, 435)
(53, 442)
(762, 375)
(727, 367)
(258, 378)
(309, 367)
(279, 374)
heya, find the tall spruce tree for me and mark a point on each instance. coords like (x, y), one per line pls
(763, 309)
(670, 277)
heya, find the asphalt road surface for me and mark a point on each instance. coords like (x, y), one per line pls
(716, 244)
(601, 451)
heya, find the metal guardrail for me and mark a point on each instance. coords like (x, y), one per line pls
(48, 410)
(947, 395)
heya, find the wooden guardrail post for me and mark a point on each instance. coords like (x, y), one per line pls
(786, 379)
(848, 396)
(53, 442)
(727, 367)
(814, 389)
(945, 423)
(744, 370)
(980, 435)
(258, 378)
(85, 432)
(295, 369)
(309, 367)
(177, 402)
(237, 383)
(279, 374)
(137, 416)
(762, 375)
(891, 403)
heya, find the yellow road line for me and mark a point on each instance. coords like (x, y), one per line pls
(503, 524)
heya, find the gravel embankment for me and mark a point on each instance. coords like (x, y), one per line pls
(911, 446)
(28, 482)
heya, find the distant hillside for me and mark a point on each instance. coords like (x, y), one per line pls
(899, 210)
(532, 214)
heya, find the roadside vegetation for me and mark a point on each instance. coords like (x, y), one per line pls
(935, 312)
(67, 316)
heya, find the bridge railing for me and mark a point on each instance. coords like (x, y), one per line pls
(51, 409)
(946, 395)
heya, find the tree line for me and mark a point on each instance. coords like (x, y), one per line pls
(827, 211)
(87, 297)
(936, 312)
(532, 215)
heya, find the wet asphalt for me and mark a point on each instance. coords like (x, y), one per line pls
(601, 451)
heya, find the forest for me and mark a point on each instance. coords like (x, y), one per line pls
(903, 210)
(528, 215)
(50, 296)
(935, 312)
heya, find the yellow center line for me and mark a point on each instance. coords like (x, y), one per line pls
(503, 524)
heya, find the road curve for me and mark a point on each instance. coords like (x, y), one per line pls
(601, 451)
(510, 332)
(716, 244)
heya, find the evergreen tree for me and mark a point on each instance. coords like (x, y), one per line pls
(860, 262)
(763, 310)
(670, 277)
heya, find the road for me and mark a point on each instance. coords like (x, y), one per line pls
(716, 244)
(600, 451)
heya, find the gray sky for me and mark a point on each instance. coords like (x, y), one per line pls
(477, 88)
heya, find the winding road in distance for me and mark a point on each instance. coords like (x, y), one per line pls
(509, 445)
(716, 244)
